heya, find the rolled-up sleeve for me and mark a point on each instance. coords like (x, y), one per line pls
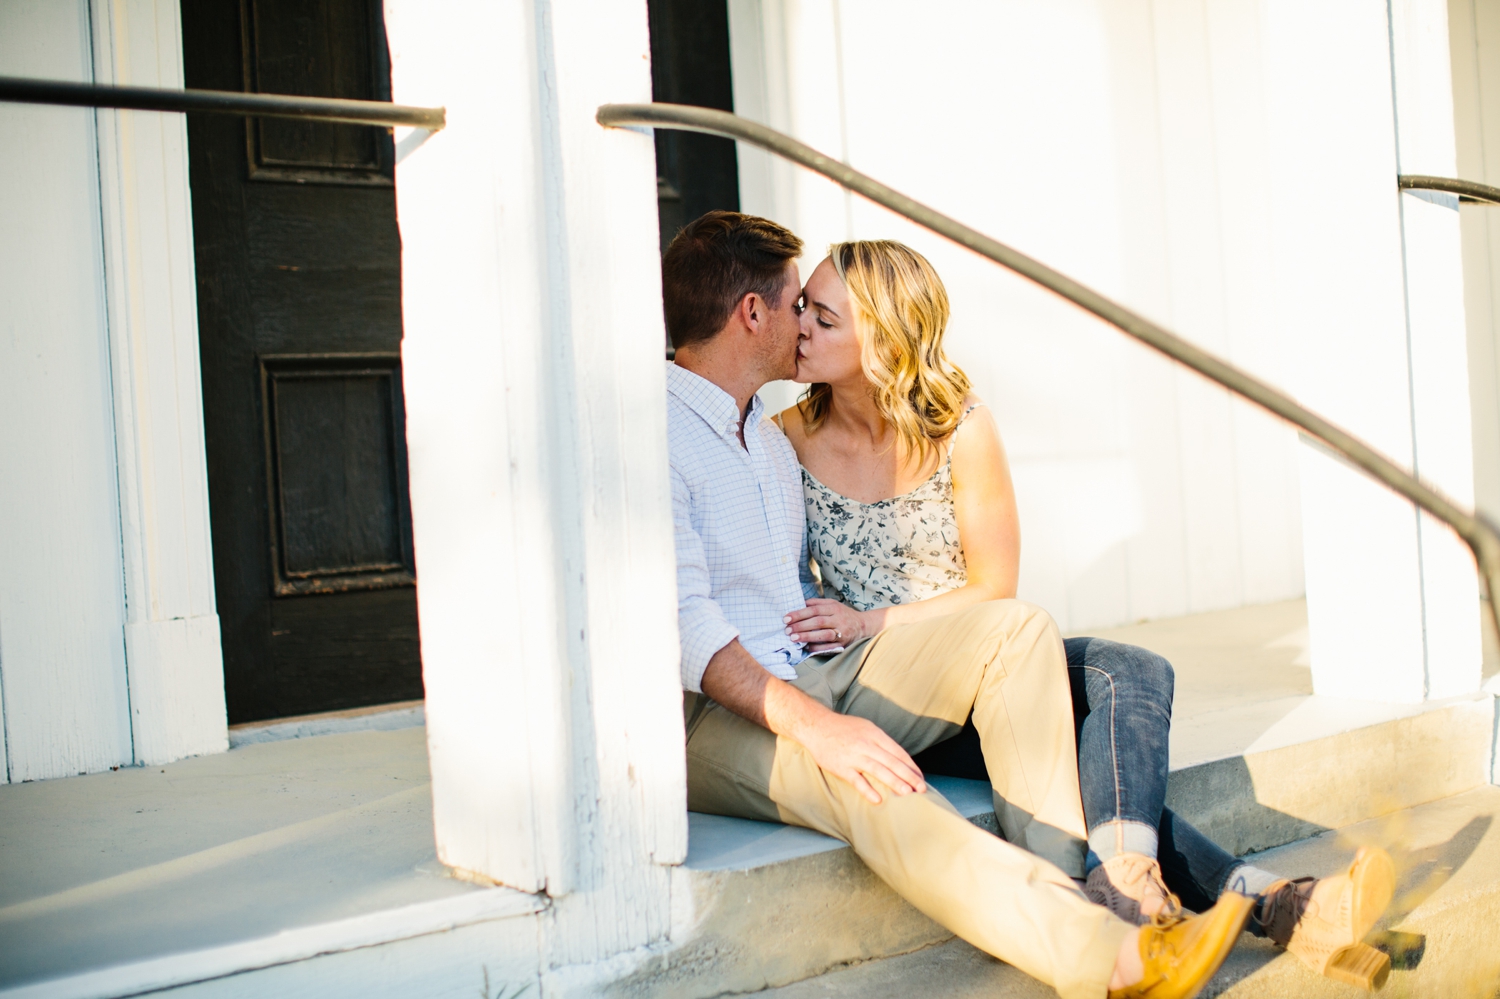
(701, 623)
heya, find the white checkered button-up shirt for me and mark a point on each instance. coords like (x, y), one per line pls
(741, 529)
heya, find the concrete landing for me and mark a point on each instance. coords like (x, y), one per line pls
(204, 853)
(1448, 856)
(1244, 682)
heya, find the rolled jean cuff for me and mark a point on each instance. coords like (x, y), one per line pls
(1108, 840)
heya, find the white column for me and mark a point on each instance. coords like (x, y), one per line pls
(535, 399)
(62, 666)
(1369, 297)
(1433, 247)
(172, 652)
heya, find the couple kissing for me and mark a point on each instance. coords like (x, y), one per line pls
(814, 706)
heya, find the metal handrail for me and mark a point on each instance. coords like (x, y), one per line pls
(24, 91)
(1476, 530)
(1467, 190)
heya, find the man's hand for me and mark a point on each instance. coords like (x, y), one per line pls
(856, 750)
(852, 749)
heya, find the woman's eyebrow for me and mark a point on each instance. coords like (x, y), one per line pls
(820, 305)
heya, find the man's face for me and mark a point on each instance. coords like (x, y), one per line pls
(784, 328)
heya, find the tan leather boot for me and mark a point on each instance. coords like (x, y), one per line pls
(1180, 954)
(1129, 882)
(1324, 921)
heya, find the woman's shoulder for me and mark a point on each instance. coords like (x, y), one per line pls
(791, 424)
(976, 439)
(972, 407)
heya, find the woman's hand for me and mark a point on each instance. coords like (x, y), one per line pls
(829, 626)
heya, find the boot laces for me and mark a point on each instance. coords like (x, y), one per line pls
(1283, 906)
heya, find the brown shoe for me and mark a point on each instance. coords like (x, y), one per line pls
(1181, 955)
(1323, 921)
(1129, 882)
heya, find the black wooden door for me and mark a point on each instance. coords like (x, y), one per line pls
(690, 65)
(299, 311)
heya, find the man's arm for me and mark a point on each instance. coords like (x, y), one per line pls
(851, 748)
(701, 625)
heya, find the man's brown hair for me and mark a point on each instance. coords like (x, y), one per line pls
(714, 262)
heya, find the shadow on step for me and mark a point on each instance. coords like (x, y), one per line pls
(1420, 873)
(1220, 799)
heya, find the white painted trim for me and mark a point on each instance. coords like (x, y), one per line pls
(173, 657)
(285, 947)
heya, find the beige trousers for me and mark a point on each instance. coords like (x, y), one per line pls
(1004, 661)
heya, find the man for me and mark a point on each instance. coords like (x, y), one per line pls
(824, 741)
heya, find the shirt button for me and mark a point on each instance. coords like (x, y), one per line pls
(783, 560)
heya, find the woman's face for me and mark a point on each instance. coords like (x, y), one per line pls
(829, 350)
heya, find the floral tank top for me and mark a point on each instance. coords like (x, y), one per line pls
(897, 551)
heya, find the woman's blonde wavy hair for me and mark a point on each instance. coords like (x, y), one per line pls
(900, 314)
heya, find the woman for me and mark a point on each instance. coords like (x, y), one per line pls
(911, 514)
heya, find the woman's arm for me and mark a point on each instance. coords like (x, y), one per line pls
(984, 501)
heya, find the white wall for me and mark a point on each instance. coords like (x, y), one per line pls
(62, 650)
(109, 644)
(1127, 144)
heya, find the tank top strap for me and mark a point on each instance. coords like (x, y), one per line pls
(961, 419)
(948, 458)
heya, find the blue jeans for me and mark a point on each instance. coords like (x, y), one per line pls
(1122, 714)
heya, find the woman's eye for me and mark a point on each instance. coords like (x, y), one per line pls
(823, 323)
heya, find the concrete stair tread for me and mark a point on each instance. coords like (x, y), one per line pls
(719, 842)
(1447, 854)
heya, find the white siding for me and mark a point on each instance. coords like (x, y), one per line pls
(62, 656)
(1127, 144)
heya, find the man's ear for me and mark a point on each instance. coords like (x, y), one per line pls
(752, 311)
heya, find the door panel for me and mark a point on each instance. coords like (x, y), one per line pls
(690, 65)
(324, 49)
(337, 499)
(299, 302)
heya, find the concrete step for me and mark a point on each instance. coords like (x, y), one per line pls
(758, 904)
(1446, 914)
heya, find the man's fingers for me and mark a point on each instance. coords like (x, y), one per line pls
(863, 787)
(902, 766)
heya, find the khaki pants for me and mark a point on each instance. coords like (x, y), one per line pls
(918, 682)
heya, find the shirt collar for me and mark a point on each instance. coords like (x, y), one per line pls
(715, 406)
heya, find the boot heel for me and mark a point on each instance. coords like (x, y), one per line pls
(1361, 966)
